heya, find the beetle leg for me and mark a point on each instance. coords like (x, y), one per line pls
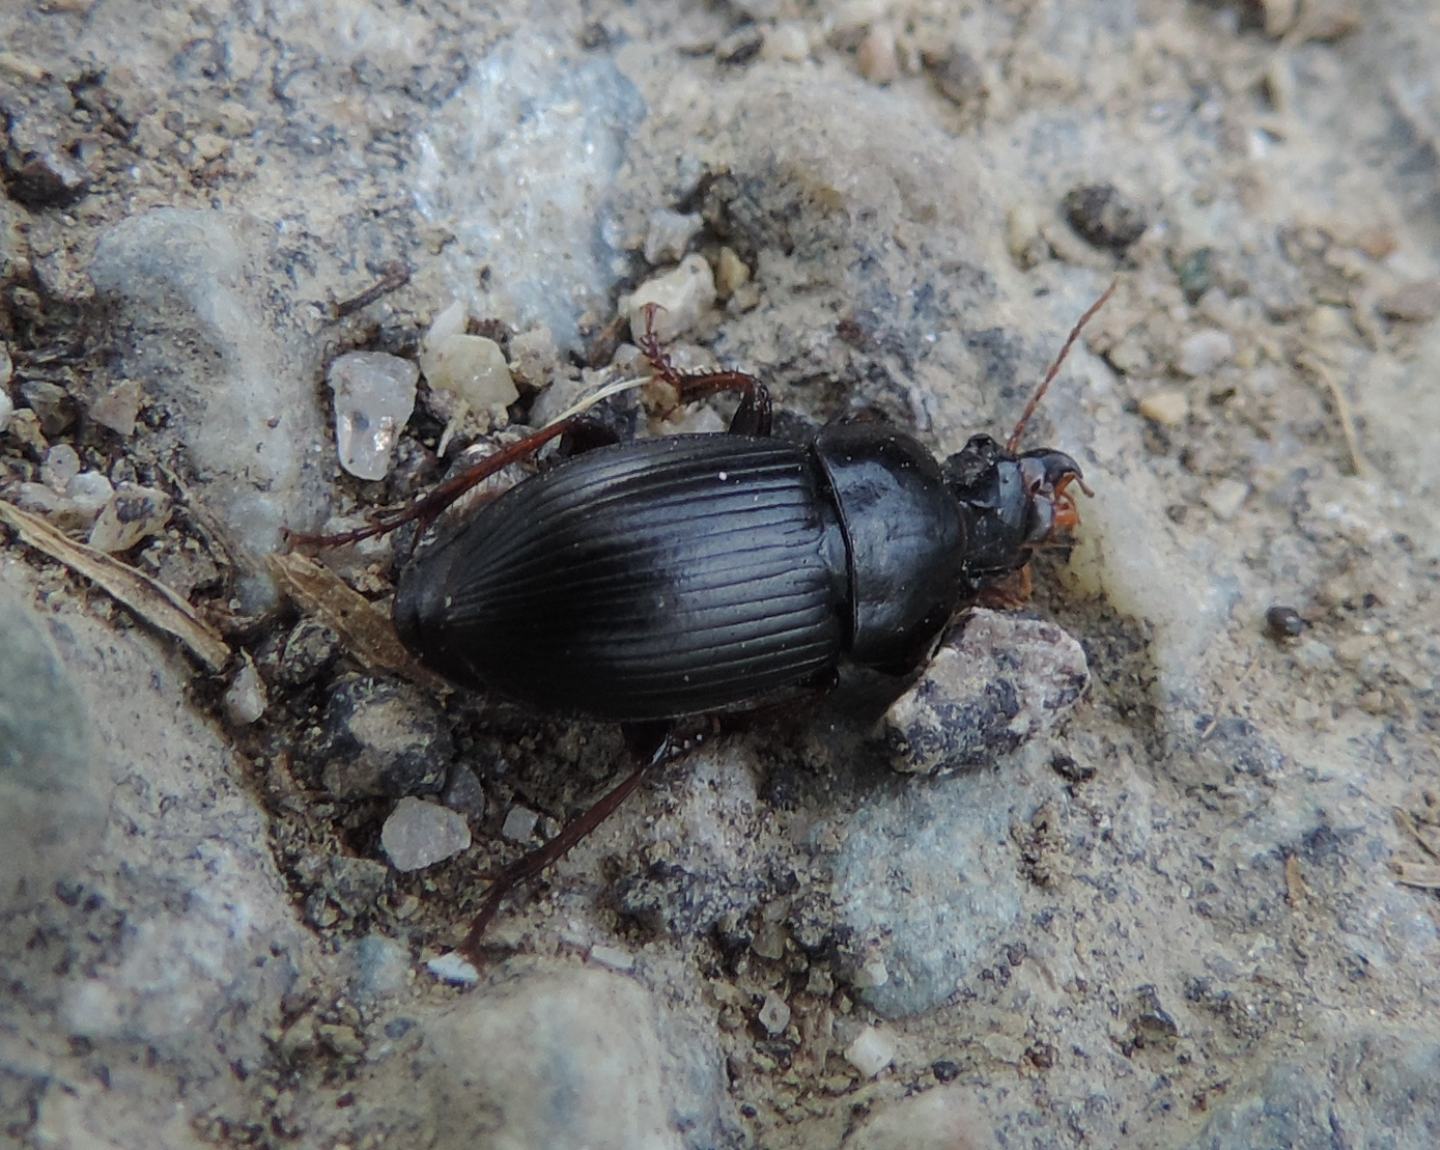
(537, 860)
(585, 435)
(1014, 590)
(752, 417)
(667, 746)
(430, 505)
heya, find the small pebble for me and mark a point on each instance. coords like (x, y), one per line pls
(786, 41)
(1278, 16)
(308, 650)
(119, 408)
(472, 368)
(51, 404)
(133, 513)
(469, 370)
(245, 697)
(877, 58)
(374, 396)
(7, 408)
(1196, 274)
(1129, 356)
(519, 824)
(684, 295)
(419, 834)
(1104, 216)
(1022, 236)
(873, 973)
(453, 969)
(1416, 302)
(774, 1015)
(48, 179)
(871, 1052)
(1204, 352)
(464, 793)
(380, 737)
(740, 46)
(1283, 622)
(381, 968)
(669, 235)
(731, 273)
(61, 465)
(769, 941)
(1225, 497)
(613, 957)
(449, 320)
(89, 491)
(24, 428)
(7, 367)
(959, 77)
(1169, 407)
(534, 357)
(41, 499)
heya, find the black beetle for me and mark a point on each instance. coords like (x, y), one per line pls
(692, 575)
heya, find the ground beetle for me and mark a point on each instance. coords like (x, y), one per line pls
(692, 575)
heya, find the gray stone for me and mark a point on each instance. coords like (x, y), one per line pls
(465, 1076)
(51, 403)
(309, 649)
(946, 1119)
(383, 738)
(1368, 1089)
(189, 320)
(464, 793)
(669, 235)
(62, 464)
(1204, 352)
(170, 941)
(528, 105)
(118, 408)
(774, 1014)
(54, 791)
(998, 680)
(382, 968)
(419, 834)
(245, 699)
(1105, 216)
(926, 878)
(519, 825)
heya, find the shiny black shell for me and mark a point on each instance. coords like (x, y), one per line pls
(649, 580)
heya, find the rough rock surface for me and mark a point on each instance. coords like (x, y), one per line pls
(1198, 910)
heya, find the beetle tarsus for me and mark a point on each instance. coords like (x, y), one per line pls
(752, 417)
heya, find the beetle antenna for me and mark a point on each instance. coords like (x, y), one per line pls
(1014, 441)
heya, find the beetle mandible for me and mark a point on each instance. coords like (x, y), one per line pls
(693, 575)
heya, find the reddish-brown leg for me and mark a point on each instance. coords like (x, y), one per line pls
(670, 747)
(752, 417)
(1011, 592)
(427, 507)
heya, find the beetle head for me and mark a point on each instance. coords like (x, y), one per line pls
(1014, 504)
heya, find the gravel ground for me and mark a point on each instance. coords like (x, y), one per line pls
(1151, 862)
